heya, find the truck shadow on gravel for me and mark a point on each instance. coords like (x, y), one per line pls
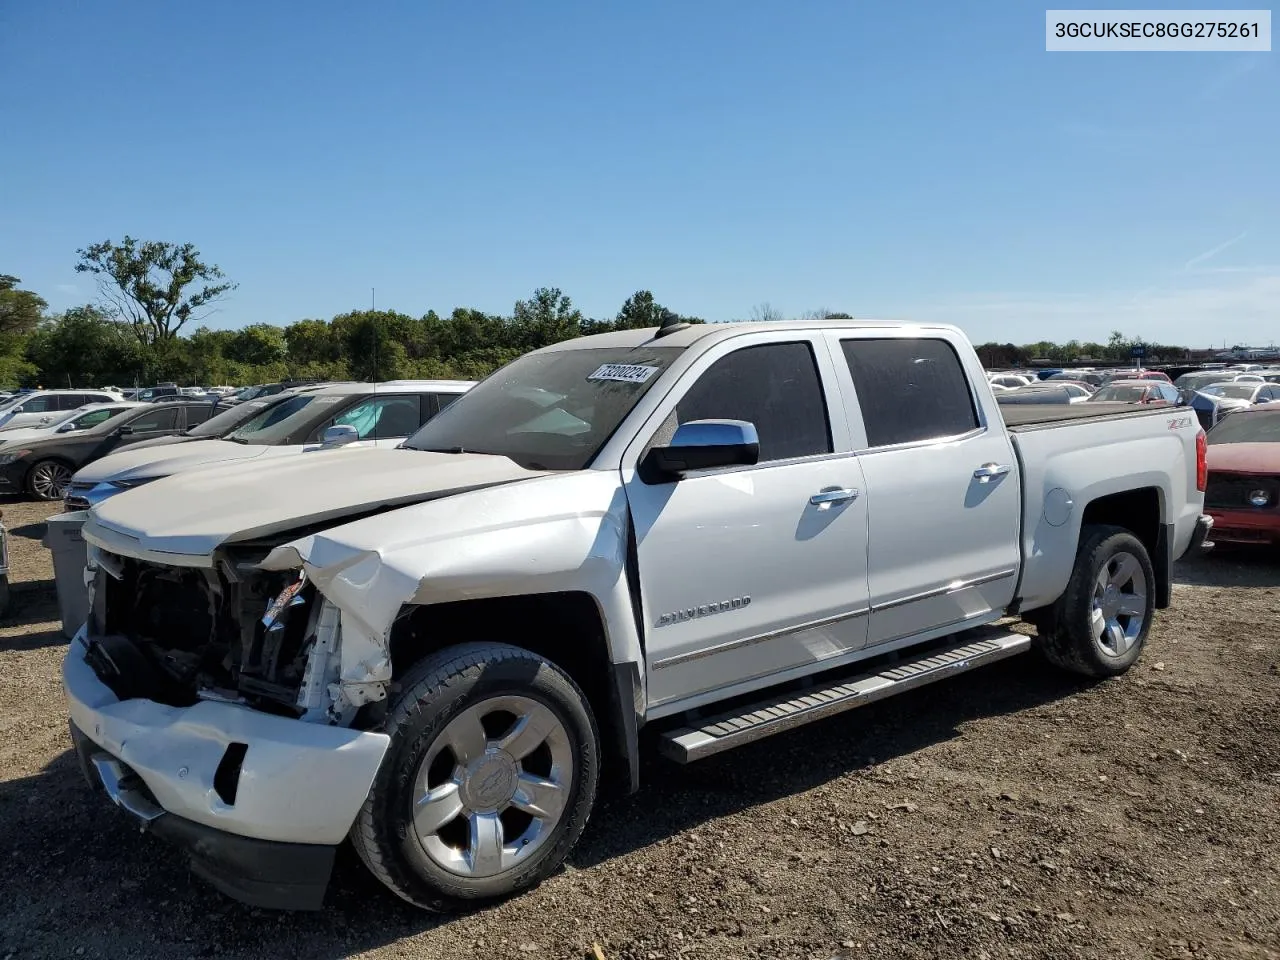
(1231, 567)
(35, 601)
(77, 865)
(676, 798)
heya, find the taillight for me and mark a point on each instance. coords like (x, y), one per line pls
(1202, 462)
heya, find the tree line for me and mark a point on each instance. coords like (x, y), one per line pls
(148, 326)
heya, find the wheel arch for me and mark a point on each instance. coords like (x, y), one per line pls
(569, 628)
(1141, 512)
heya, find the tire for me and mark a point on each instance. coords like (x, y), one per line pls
(48, 479)
(1099, 626)
(459, 729)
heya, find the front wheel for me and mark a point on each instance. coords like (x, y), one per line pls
(48, 480)
(488, 782)
(1100, 624)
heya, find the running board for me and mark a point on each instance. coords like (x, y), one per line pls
(976, 648)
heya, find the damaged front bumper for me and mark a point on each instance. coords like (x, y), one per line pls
(258, 801)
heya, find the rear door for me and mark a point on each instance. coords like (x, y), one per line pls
(942, 484)
(147, 425)
(742, 575)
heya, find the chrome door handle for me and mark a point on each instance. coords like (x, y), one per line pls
(988, 470)
(832, 495)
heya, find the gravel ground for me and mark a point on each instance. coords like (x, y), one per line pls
(1014, 812)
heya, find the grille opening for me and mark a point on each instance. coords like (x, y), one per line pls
(226, 779)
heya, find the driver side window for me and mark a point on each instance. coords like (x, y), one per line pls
(775, 386)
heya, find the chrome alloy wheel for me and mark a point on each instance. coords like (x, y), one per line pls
(49, 480)
(493, 786)
(1119, 605)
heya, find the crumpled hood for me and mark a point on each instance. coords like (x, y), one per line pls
(1263, 457)
(195, 512)
(166, 461)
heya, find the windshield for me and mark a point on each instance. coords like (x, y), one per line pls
(1237, 391)
(274, 423)
(548, 411)
(1248, 426)
(1126, 394)
(223, 423)
(248, 393)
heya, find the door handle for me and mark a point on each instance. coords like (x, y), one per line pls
(832, 495)
(988, 470)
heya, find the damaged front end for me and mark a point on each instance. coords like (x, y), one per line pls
(230, 632)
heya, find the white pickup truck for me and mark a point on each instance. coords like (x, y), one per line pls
(714, 532)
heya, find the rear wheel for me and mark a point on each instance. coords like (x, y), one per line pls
(488, 782)
(1100, 624)
(48, 480)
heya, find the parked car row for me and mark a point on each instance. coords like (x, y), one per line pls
(296, 420)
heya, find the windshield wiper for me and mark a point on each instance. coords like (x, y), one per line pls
(444, 450)
(236, 439)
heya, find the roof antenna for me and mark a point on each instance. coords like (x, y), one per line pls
(671, 323)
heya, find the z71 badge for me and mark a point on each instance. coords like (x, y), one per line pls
(1177, 423)
(704, 610)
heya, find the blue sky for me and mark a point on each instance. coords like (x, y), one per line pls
(927, 161)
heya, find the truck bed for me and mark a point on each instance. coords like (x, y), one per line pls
(1020, 417)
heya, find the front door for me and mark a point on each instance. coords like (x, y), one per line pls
(942, 486)
(742, 575)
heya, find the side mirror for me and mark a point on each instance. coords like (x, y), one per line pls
(125, 431)
(339, 435)
(66, 427)
(704, 445)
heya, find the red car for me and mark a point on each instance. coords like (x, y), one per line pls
(1243, 495)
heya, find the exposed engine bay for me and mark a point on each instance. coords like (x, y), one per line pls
(235, 633)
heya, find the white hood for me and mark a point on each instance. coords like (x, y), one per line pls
(193, 513)
(168, 460)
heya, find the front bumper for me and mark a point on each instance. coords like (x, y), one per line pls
(1247, 526)
(231, 784)
(261, 873)
(83, 495)
(13, 477)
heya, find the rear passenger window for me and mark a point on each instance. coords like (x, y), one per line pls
(776, 387)
(909, 390)
(198, 413)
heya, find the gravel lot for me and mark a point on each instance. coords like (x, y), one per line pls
(1014, 812)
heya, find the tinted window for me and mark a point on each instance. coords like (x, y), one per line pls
(909, 390)
(198, 413)
(155, 420)
(227, 420)
(277, 422)
(382, 417)
(40, 405)
(774, 386)
(92, 418)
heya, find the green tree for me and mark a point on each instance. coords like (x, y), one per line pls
(549, 316)
(258, 344)
(84, 347)
(373, 341)
(641, 311)
(147, 283)
(20, 310)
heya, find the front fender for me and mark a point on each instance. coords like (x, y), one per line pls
(544, 535)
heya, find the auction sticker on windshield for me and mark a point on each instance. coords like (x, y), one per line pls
(624, 372)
